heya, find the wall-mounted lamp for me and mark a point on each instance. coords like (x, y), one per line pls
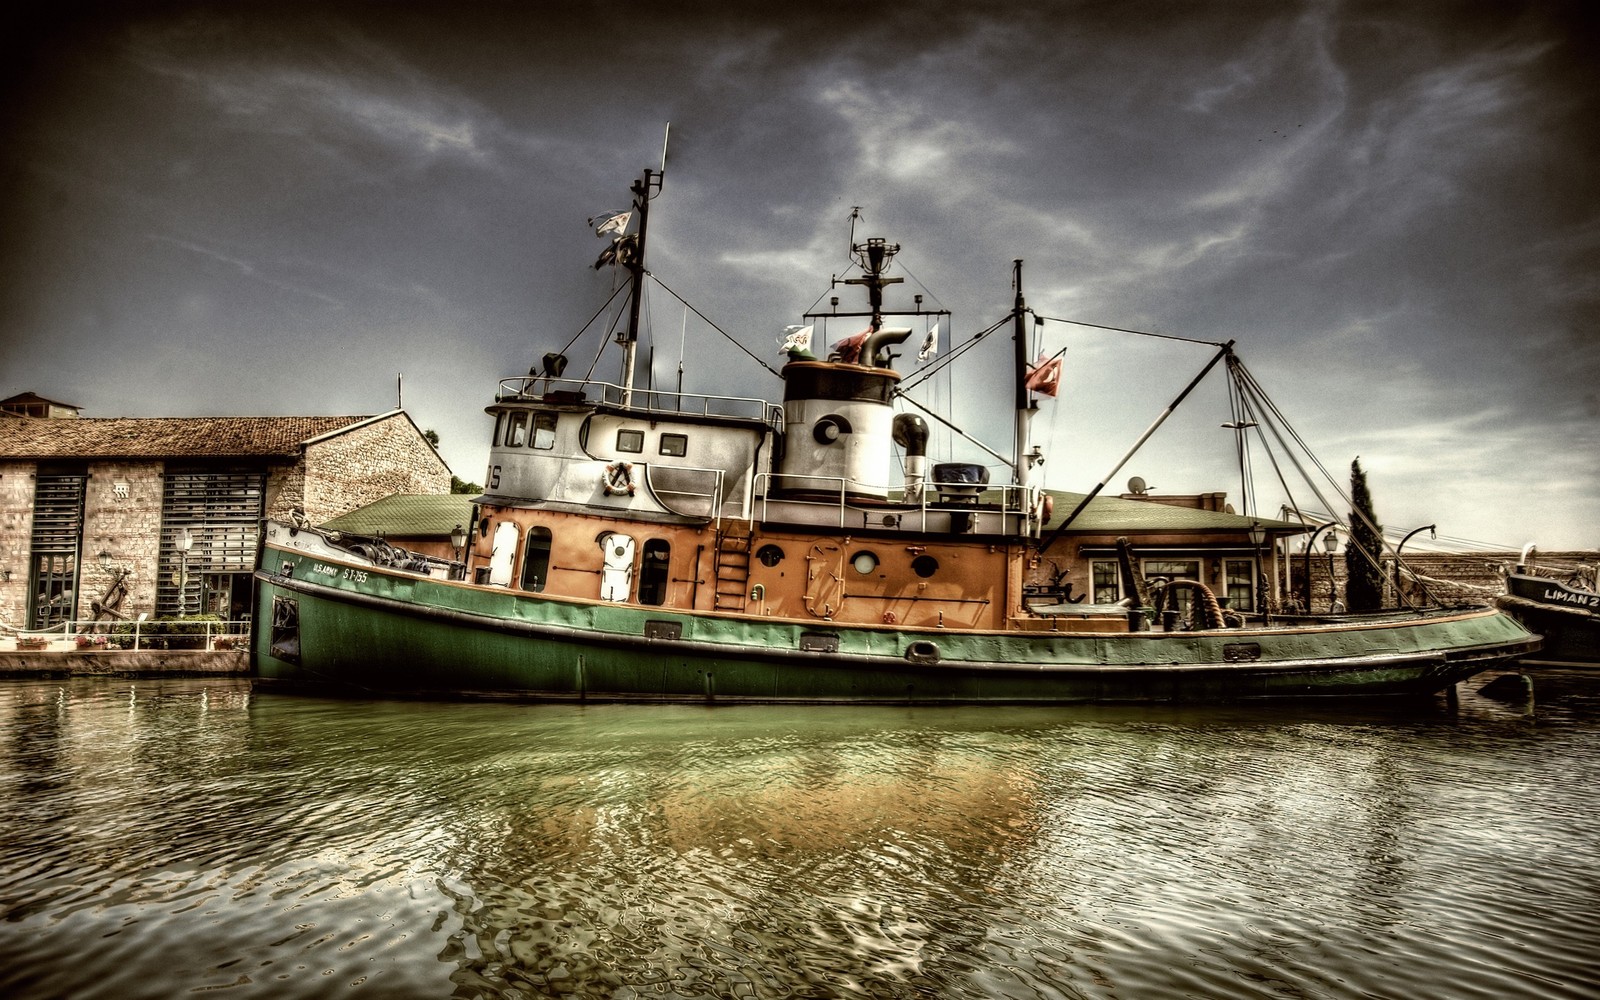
(105, 560)
(458, 539)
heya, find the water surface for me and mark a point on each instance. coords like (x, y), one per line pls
(183, 838)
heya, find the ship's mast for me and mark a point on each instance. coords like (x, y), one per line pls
(1019, 309)
(642, 188)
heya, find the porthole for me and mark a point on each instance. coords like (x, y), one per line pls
(864, 562)
(769, 555)
(925, 566)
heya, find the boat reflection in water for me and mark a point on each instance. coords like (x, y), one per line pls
(182, 836)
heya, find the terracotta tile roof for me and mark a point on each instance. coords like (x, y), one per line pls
(164, 437)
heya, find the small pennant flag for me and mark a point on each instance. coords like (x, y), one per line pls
(1045, 378)
(930, 344)
(798, 340)
(611, 222)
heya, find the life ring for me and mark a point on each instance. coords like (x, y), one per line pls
(617, 480)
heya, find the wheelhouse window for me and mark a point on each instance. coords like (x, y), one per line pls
(516, 430)
(630, 441)
(654, 573)
(675, 445)
(536, 559)
(544, 431)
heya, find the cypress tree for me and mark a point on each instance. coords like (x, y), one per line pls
(1363, 587)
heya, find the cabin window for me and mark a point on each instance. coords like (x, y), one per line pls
(1104, 581)
(630, 441)
(536, 559)
(769, 555)
(864, 562)
(654, 564)
(544, 431)
(499, 428)
(675, 445)
(1240, 579)
(516, 430)
(924, 566)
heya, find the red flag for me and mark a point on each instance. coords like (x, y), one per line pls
(849, 349)
(1045, 378)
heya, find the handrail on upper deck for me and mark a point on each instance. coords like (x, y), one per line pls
(1014, 499)
(524, 388)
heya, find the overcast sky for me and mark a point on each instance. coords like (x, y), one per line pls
(1391, 208)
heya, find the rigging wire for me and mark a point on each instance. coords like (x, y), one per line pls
(955, 352)
(687, 305)
(1123, 329)
(603, 306)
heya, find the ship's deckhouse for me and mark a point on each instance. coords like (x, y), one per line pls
(559, 447)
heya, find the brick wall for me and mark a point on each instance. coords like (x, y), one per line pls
(368, 463)
(16, 536)
(122, 516)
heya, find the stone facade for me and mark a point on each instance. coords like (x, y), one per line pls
(366, 463)
(323, 466)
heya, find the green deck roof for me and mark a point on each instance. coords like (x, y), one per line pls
(1115, 515)
(408, 515)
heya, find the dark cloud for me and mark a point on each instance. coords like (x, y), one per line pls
(1391, 207)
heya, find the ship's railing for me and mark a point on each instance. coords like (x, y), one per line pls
(845, 495)
(143, 632)
(654, 401)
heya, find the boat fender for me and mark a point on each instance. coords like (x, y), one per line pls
(923, 651)
(618, 479)
(1047, 508)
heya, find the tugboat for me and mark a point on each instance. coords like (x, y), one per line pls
(639, 545)
(1562, 604)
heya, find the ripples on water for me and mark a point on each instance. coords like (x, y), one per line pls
(196, 838)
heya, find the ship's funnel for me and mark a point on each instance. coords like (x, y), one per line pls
(874, 351)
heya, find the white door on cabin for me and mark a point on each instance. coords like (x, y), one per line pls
(616, 571)
(505, 550)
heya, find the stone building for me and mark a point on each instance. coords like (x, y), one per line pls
(170, 507)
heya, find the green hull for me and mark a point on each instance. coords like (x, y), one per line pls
(385, 632)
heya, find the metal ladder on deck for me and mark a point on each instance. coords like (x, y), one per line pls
(732, 569)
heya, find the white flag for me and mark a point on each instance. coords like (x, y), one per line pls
(612, 223)
(798, 339)
(930, 344)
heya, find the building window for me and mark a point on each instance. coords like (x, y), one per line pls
(209, 524)
(536, 559)
(1105, 581)
(544, 431)
(57, 534)
(1240, 579)
(630, 441)
(1175, 569)
(653, 571)
(675, 445)
(516, 430)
